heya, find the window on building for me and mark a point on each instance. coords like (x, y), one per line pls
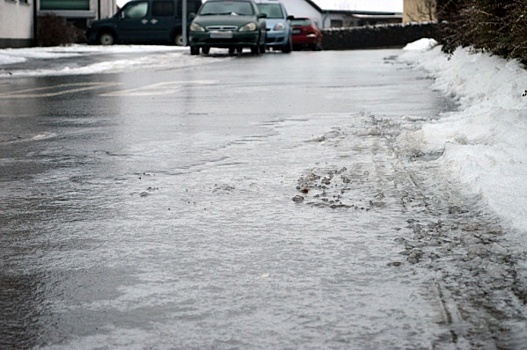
(72, 5)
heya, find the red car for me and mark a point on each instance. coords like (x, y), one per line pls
(306, 34)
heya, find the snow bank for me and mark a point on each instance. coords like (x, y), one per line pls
(132, 56)
(484, 142)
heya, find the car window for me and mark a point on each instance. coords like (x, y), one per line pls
(136, 10)
(226, 8)
(163, 9)
(272, 10)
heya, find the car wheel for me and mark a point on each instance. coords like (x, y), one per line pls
(232, 50)
(255, 50)
(194, 50)
(288, 47)
(178, 39)
(106, 39)
(262, 49)
(205, 50)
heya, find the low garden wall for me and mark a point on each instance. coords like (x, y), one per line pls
(381, 36)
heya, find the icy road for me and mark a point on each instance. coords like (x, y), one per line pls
(241, 203)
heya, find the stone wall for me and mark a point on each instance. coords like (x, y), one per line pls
(382, 36)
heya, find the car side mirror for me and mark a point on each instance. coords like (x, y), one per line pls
(289, 18)
(191, 15)
(262, 15)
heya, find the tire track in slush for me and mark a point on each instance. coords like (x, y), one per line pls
(481, 292)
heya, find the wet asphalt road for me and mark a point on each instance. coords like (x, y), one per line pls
(247, 203)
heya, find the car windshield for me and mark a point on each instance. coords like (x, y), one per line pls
(242, 8)
(300, 22)
(272, 10)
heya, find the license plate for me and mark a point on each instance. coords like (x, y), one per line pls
(221, 35)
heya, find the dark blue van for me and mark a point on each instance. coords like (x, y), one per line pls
(143, 22)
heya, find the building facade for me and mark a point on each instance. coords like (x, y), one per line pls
(17, 23)
(78, 10)
(418, 11)
(19, 18)
(346, 13)
(304, 8)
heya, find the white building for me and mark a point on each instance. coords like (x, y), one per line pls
(78, 9)
(346, 13)
(17, 23)
(18, 18)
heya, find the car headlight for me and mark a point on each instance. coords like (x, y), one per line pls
(194, 27)
(279, 26)
(249, 27)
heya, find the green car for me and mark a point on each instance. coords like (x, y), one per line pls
(230, 24)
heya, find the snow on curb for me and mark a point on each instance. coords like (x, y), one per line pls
(484, 142)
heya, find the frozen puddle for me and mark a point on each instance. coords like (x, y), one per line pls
(321, 232)
(475, 280)
(380, 233)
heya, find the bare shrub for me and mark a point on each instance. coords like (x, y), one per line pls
(54, 31)
(498, 27)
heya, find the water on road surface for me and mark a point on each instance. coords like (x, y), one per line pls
(249, 203)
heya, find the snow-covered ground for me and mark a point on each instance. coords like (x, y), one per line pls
(9, 56)
(126, 57)
(483, 143)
